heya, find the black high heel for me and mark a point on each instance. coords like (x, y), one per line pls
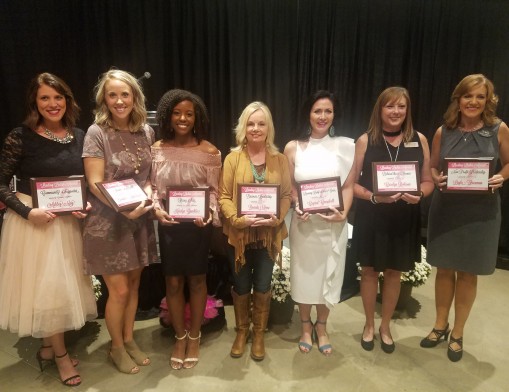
(67, 381)
(455, 355)
(42, 360)
(437, 335)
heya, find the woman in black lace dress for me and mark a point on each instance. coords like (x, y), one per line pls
(43, 291)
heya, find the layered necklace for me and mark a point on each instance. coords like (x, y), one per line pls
(135, 158)
(259, 177)
(62, 140)
(397, 133)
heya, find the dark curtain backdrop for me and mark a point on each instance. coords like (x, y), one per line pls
(232, 52)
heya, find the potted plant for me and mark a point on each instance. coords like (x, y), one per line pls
(281, 307)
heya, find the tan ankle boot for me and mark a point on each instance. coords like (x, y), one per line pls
(241, 304)
(261, 306)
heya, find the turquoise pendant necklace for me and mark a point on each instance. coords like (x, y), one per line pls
(258, 177)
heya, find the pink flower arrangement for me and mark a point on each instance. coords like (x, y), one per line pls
(210, 312)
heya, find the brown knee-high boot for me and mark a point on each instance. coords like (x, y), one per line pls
(241, 305)
(261, 306)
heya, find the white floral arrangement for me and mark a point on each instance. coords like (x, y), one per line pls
(417, 276)
(281, 277)
(96, 285)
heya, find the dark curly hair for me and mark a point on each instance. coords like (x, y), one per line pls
(165, 108)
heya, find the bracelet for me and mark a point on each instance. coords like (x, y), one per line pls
(422, 194)
(372, 199)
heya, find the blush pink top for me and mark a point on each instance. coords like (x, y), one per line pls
(179, 166)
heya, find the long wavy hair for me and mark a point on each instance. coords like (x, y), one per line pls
(304, 125)
(452, 115)
(165, 109)
(241, 128)
(103, 117)
(34, 118)
(390, 95)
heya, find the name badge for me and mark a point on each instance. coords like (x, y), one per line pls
(411, 144)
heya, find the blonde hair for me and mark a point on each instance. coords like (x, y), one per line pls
(241, 128)
(390, 94)
(452, 115)
(103, 117)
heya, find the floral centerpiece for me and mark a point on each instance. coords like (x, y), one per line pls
(282, 305)
(417, 276)
(281, 277)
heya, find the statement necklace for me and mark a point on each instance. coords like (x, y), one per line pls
(258, 177)
(135, 159)
(389, 151)
(62, 140)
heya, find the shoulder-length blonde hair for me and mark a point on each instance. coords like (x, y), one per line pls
(72, 110)
(452, 115)
(241, 128)
(103, 116)
(389, 95)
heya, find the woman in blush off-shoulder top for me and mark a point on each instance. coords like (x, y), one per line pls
(184, 158)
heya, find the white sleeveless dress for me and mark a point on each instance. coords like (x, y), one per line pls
(318, 248)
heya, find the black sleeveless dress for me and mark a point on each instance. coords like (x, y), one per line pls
(387, 236)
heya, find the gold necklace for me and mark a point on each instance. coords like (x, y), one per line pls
(136, 160)
(62, 140)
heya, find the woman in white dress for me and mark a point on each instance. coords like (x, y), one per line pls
(318, 241)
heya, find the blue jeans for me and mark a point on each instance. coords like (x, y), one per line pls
(255, 274)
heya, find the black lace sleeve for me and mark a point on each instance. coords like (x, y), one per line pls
(11, 155)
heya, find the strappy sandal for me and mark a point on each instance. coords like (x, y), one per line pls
(304, 347)
(68, 381)
(434, 337)
(178, 363)
(123, 361)
(325, 349)
(455, 355)
(192, 361)
(42, 361)
(138, 356)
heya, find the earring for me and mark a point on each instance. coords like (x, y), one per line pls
(332, 131)
(309, 131)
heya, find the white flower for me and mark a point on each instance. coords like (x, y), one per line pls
(96, 285)
(281, 277)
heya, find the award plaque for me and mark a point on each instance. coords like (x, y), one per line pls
(123, 195)
(187, 203)
(320, 194)
(395, 177)
(60, 195)
(468, 175)
(258, 199)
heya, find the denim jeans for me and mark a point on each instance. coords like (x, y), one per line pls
(255, 274)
